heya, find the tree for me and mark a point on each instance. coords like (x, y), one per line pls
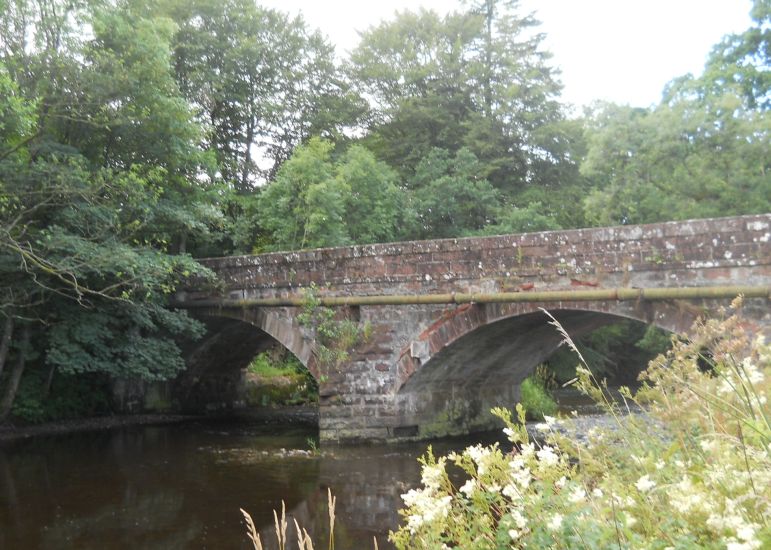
(262, 84)
(374, 204)
(742, 61)
(695, 155)
(449, 197)
(315, 201)
(95, 146)
(476, 79)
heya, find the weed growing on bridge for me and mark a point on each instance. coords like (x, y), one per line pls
(692, 471)
(335, 337)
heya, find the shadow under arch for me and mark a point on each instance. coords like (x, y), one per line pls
(233, 338)
(475, 358)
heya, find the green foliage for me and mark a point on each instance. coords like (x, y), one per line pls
(266, 365)
(315, 202)
(374, 202)
(259, 79)
(476, 79)
(702, 152)
(618, 352)
(741, 61)
(655, 341)
(536, 399)
(280, 379)
(100, 192)
(441, 175)
(519, 220)
(70, 397)
(335, 337)
(701, 481)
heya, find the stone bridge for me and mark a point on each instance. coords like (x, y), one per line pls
(455, 324)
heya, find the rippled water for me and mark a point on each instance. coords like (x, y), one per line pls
(180, 486)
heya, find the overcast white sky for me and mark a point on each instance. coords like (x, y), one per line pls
(618, 50)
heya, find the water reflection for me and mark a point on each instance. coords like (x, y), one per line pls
(181, 486)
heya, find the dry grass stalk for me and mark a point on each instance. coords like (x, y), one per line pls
(331, 501)
(280, 527)
(566, 339)
(251, 531)
(304, 541)
(308, 541)
(374, 541)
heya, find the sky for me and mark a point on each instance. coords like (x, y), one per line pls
(623, 51)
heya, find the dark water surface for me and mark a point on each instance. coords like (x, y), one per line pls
(181, 486)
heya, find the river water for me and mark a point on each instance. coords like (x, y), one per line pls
(181, 486)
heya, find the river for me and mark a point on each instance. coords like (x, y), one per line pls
(181, 486)
(178, 486)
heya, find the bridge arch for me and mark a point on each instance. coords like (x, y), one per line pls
(214, 377)
(277, 324)
(475, 358)
(480, 333)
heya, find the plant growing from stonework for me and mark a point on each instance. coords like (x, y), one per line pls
(335, 337)
(692, 470)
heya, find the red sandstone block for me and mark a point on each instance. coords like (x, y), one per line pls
(715, 273)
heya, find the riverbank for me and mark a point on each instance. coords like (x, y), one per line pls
(300, 414)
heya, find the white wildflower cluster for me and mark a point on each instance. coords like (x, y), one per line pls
(428, 503)
(481, 457)
(702, 468)
(645, 484)
(425, 507)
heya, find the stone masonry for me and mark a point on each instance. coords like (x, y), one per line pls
(433, 370)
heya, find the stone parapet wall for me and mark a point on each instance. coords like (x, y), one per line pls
(686, 251)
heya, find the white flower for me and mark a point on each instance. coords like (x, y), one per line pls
(514, 534)
(432, 476)
(519, 519)
(555, 522)
(517, 463)
(468, 488)
(509, 432)
(510, 491)
(577, 495)
(479, 455)
(425, 507)
(560, 483)
(546, 456)
(645, 484)
(522, 477)
(754, 375)
(746, 533)
(597, 492)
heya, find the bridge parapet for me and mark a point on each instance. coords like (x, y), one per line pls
(666, 254)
